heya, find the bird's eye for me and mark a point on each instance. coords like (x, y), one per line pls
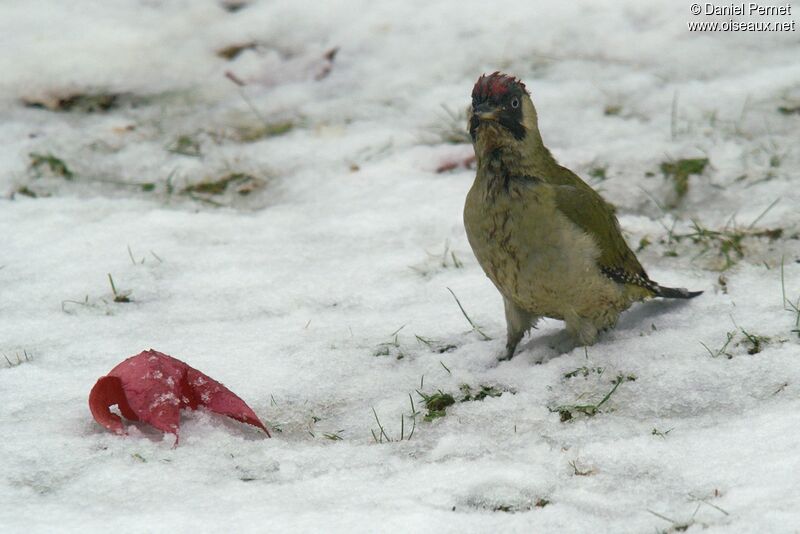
(515, 102)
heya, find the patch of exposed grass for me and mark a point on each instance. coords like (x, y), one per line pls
(81, 102)
(480, 393)
(512, 503)
(722, 350)
(752, 343)
(789, 109)
(727, 243)
(680, 170)
(256, 132)
(436, 404)
(722, 280)
(243, 183)
(48, 162)
(598, 173)
(391, 347)
(513, 508)
(25, 191)
(185, 145)
(569, 411)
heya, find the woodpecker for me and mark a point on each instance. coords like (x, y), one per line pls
(548, 241)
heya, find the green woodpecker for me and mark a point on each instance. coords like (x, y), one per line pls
(550, 244)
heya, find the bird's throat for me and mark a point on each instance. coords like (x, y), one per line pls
(496, 164)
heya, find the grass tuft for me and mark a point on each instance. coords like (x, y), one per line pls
(436, 346)
(567, 412)
(756, 343)
(661, 434)
(475, 328)
(185, 145)
(508, 508)
(382, 437)
(391, 347)
(447, 259)
(599, 173)
(25, 191)
(243, 182)
(789, 306)
(722, 351)
(56, 166)
(752, 343)
(436, 404)
(18, 359)
(482, 392)
(87, 102)
(119, 296)
(679, 172)
(727, 243)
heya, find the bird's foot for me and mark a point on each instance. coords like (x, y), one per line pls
(507, 354)
(563, 343)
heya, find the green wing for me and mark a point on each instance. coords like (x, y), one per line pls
(587, 209)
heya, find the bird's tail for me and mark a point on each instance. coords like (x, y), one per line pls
(675, 292)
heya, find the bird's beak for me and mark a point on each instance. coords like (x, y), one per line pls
(485, 112)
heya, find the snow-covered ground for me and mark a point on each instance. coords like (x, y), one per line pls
(306, 264)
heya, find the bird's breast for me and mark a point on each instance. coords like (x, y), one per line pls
(532, 253)
(495, 222)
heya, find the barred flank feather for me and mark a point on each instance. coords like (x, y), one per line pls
(622, 276)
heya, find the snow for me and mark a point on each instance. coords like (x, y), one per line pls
(287, 294)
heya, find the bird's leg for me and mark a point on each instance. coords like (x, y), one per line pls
(518, 321)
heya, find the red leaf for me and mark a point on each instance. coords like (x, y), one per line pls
(153, 388)
(450, 165)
